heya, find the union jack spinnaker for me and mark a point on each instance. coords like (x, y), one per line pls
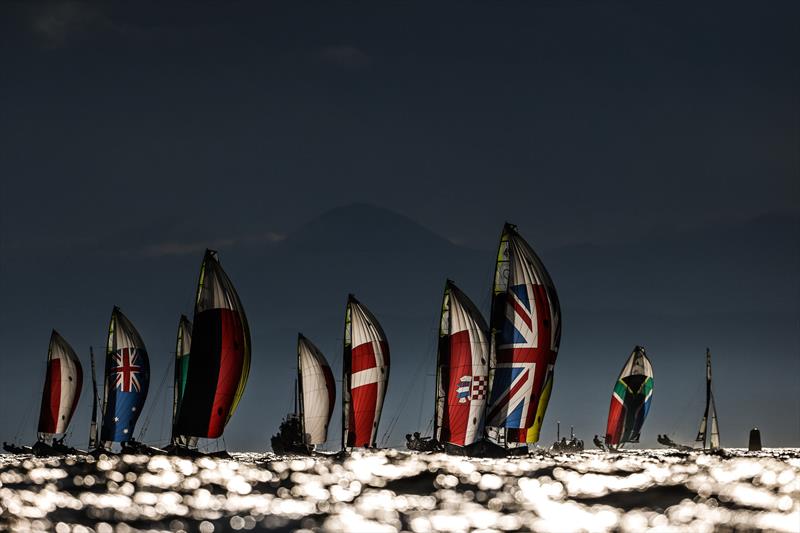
(317, 392)
(365, 373)
(630, 400)
(127, 378)
(525, 332)
(462, 370)
(62, 388)
(219, 358)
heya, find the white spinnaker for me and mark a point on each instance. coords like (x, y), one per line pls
(365, 329)
(317, 398)
(464, 317)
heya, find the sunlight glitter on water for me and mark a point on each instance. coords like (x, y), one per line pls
(400, 491)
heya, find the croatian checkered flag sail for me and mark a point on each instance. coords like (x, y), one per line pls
(62, 388)
(366, 372)
(526, 332)
(630, 400)
(462, 370)
(219, 359)
(317, 391)
(127, 378)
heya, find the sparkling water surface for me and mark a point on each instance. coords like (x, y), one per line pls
(401, 491)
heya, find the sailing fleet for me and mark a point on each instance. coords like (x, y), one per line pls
(493, 380)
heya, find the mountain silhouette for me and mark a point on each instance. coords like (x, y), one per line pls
(733, 288)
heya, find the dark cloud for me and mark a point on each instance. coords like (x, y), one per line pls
(345, 56)
(58, 22)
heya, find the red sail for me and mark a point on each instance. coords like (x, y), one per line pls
(62, 387)
(366, 373)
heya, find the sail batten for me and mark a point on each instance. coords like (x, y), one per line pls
(525, 326)
(62, 388)
(219, 357)
(630, 399)
(365, 376)
(127, 379)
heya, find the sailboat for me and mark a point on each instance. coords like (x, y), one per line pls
(315, 395)
(126, 382)
(219, 358)
(60, 395)
(183, 344)
(462, 381)
(525, 335)
(365, 376)
(708, 433)
(630, 400)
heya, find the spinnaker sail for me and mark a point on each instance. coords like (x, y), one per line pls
(219, 360)
(462, 370)
(366, 373)
(127, 378)
(708, 433)
(62, 388)
(630, 400)
(183, 344)
(317, 392)
(525, 336)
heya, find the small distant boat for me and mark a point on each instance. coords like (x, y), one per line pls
(126, 382)
(365, 376)
(218, 360)
(630, 401)
(60, 395)
(525, 335)
(708, 433)
(315, 396)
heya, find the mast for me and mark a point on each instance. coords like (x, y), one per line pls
(93, 426)
(346, 367)
(714, 440)
(702, 433)
(444, 330)
(499, 286)
(299, 392)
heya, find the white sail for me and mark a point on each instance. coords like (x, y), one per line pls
(318, 392)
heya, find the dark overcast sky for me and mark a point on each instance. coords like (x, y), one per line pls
(168, 126)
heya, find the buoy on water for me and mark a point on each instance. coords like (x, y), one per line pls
(755, 440)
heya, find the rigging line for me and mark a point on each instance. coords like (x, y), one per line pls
(420, 364)
(27, 413)
(158, 394)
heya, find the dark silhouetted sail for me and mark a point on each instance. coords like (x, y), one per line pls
(708, 433)
(219, 359)
(183, 344)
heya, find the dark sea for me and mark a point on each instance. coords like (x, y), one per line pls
(390, 490)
